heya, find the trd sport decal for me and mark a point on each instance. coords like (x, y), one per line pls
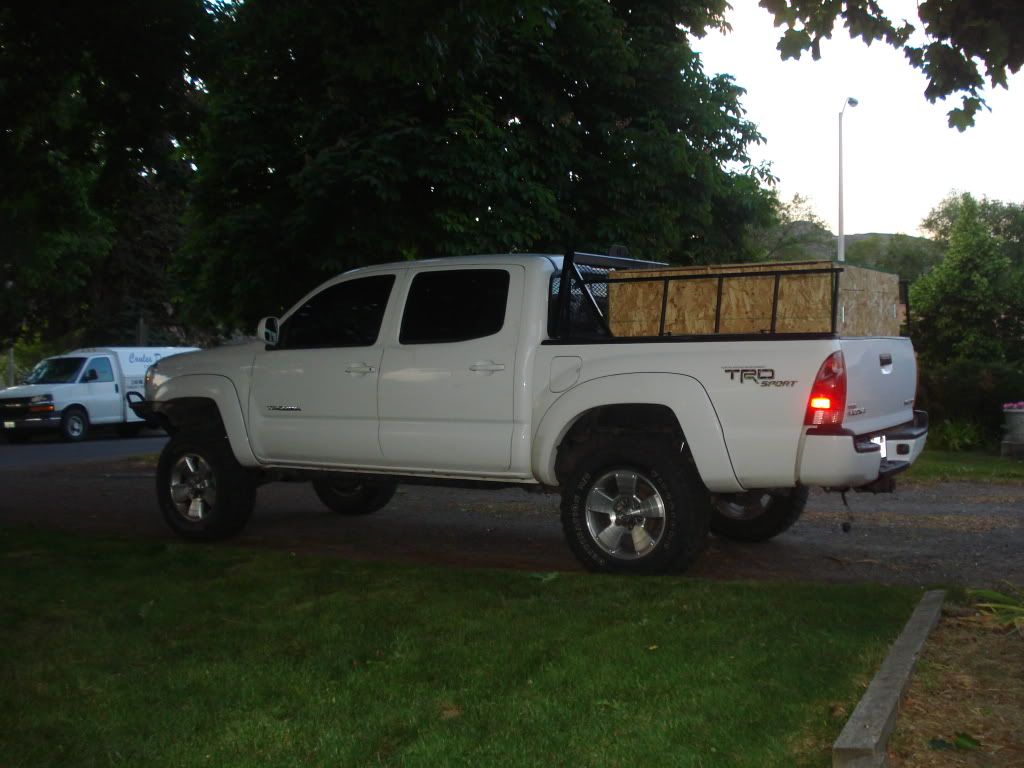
(761, 377)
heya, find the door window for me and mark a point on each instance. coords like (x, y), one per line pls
(345, 314)
(101, 365)
(455, 305)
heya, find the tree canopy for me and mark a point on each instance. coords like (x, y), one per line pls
(968, 42)
(91, 96)
(404, 129)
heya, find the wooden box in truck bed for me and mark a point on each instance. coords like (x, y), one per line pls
(867, 301)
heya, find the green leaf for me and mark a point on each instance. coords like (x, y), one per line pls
(966, 741)
(793, 43)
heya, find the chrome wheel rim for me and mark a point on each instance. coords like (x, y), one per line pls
(625, 514)
(749, 507)
(193, 487)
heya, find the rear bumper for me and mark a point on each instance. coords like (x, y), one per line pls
(842, 459)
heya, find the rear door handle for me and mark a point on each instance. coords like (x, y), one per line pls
(488, 366)
(359, 369)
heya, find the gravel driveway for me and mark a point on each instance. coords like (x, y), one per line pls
(934, 534)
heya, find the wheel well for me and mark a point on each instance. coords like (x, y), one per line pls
(191, 414)
(618, 419)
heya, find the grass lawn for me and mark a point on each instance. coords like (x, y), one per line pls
(934, 466)
(153, 654)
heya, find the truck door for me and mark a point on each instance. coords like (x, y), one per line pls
(101, 393)
(314, 395)
(447, 385)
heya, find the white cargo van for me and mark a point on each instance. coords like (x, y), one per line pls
(78, 390)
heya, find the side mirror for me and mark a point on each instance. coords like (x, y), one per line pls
(91, 375)
(267, 330)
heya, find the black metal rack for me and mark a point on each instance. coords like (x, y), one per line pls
(598, 267)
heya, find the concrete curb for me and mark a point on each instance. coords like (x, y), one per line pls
(862, 743)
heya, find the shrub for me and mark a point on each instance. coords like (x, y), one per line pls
(969, 391)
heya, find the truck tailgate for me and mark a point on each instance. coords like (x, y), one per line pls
(881, 383)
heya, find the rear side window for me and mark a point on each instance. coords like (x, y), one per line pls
(454, 305)
(101, 365)
(345, 314)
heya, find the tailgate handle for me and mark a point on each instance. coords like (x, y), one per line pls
(884, 360)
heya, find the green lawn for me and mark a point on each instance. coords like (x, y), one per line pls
(934, 466)
(151, 654)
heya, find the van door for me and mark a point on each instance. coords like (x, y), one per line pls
(100, 393)
(447, 385)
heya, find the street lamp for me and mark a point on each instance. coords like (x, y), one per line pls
(850, 102)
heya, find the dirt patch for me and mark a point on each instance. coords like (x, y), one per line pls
(965, 705)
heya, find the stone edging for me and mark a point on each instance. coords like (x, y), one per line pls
(862, 743)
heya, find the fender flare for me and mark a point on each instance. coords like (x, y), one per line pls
(221, 390)
(684, 395)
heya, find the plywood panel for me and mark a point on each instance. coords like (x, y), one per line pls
(867, 299)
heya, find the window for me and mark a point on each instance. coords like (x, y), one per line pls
(56, 370)
(345, 314)
(454, 305)
(104, 372)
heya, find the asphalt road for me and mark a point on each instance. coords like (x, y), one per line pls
(48, 450)
(923, 535)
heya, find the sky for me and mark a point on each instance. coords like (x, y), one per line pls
(900, 159)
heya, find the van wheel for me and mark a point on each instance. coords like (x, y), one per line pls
(631, 505)
(759, 515)
(204, 493)
(354, 495)
(74, 424)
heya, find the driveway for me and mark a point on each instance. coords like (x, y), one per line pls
(936, 534)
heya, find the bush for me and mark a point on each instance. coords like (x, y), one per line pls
(968, 392)
(956, 436)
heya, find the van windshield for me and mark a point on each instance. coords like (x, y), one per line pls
(56, 370)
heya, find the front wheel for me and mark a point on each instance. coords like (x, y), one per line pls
(758, 515)
(634, 506)
(204, 493)
(74, 424)
(354, 495)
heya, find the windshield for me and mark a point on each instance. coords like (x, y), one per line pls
(56, 370)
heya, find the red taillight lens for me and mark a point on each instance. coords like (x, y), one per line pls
(828, 395)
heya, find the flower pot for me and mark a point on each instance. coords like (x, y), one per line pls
(1013, 440)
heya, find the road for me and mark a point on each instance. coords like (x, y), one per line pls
(922, 535)
(48, 450)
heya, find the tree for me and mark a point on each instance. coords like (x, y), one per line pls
(91, 98)
(967, 308)
(909, 257)
(404, 129)
(968, 41)
(1004, 221)
(795, 234)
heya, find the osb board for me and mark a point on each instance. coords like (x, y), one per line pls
(805, 301)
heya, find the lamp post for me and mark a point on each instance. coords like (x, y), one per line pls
(850, 102)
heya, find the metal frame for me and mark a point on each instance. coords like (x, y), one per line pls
(571, 272)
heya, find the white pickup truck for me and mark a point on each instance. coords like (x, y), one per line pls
(501, 369)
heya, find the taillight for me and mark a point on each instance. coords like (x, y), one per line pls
(828, 395)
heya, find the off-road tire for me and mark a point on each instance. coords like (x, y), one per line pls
(74, 424)
(225, 502)
(355, 495)
(779, 510)
(678, 537)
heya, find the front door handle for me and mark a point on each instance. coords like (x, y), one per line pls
(359, 369)
(488, 366)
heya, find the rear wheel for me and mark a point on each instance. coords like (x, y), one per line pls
(204, 493)
(758, 515)
(354, 495)
(74, 424)
(632, 505)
